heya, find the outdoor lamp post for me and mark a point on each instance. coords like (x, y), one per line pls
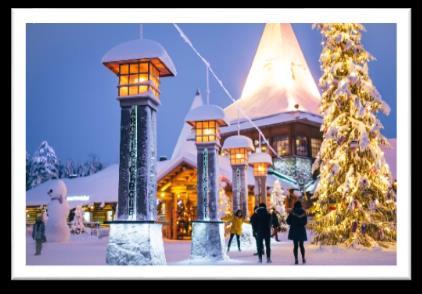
(238, 148)
(207, 230)
(135, 237)
(260, 162)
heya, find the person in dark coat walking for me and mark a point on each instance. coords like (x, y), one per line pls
(38, 234)
(297, 220)
(261, 224)
(253, 223)
(275, 224)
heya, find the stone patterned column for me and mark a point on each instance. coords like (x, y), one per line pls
(124, 164)
(261, 182)
(207, 204)
(146, 161)
(240, 189)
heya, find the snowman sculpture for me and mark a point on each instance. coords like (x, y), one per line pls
(57, 229)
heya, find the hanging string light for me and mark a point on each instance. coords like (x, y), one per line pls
(210, 69)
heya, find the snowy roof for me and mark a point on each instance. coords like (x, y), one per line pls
(103, 186)
(238, 141)
(141, 49)
(275, 119)
(207, 112)
(279, 77)
(260, 157)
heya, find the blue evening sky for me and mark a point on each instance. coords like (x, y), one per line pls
(71, 97)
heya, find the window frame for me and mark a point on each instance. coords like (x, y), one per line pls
(200, 126)
(305, 151)
(279, 139)
(152, 83)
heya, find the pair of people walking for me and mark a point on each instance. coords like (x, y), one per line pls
(262, 221)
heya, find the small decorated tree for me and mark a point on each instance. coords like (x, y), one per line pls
(78, 221)
(278, 198)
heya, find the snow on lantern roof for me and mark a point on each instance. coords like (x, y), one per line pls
(238, 141)
(139, 49)
(207, 112)
(260, 157)
(279, 79)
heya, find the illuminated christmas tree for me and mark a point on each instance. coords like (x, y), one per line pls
(278, 198)
(355, 200)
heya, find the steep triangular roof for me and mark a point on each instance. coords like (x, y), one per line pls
(184, 145)
(279, 77)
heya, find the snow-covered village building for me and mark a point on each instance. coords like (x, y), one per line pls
(282, 99)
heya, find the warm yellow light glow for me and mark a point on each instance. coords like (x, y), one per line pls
(279, 73)
(260, 169)
(209, 132)
(238, 156)
(134, 79)
(206, 131)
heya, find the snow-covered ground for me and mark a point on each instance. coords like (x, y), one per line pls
(89, 250)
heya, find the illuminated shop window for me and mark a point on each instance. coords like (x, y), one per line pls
(281, 145)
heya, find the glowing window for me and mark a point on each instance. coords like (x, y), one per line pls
(135, 79)
(123, 91)
(124, 69)
(124, 80)
(315, 146)
(238, 156)
(281, 145)
(260, 169)
(143, 89)
(134, 68)
(301, 146)
(206, 131)
(143, 67)
(133, 90)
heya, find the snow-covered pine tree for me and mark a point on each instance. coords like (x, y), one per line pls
(278, 198)
(62, 170)
(44, 165)
(353, 206)
(94, 164)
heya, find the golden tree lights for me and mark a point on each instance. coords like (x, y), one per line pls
(353, 205)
